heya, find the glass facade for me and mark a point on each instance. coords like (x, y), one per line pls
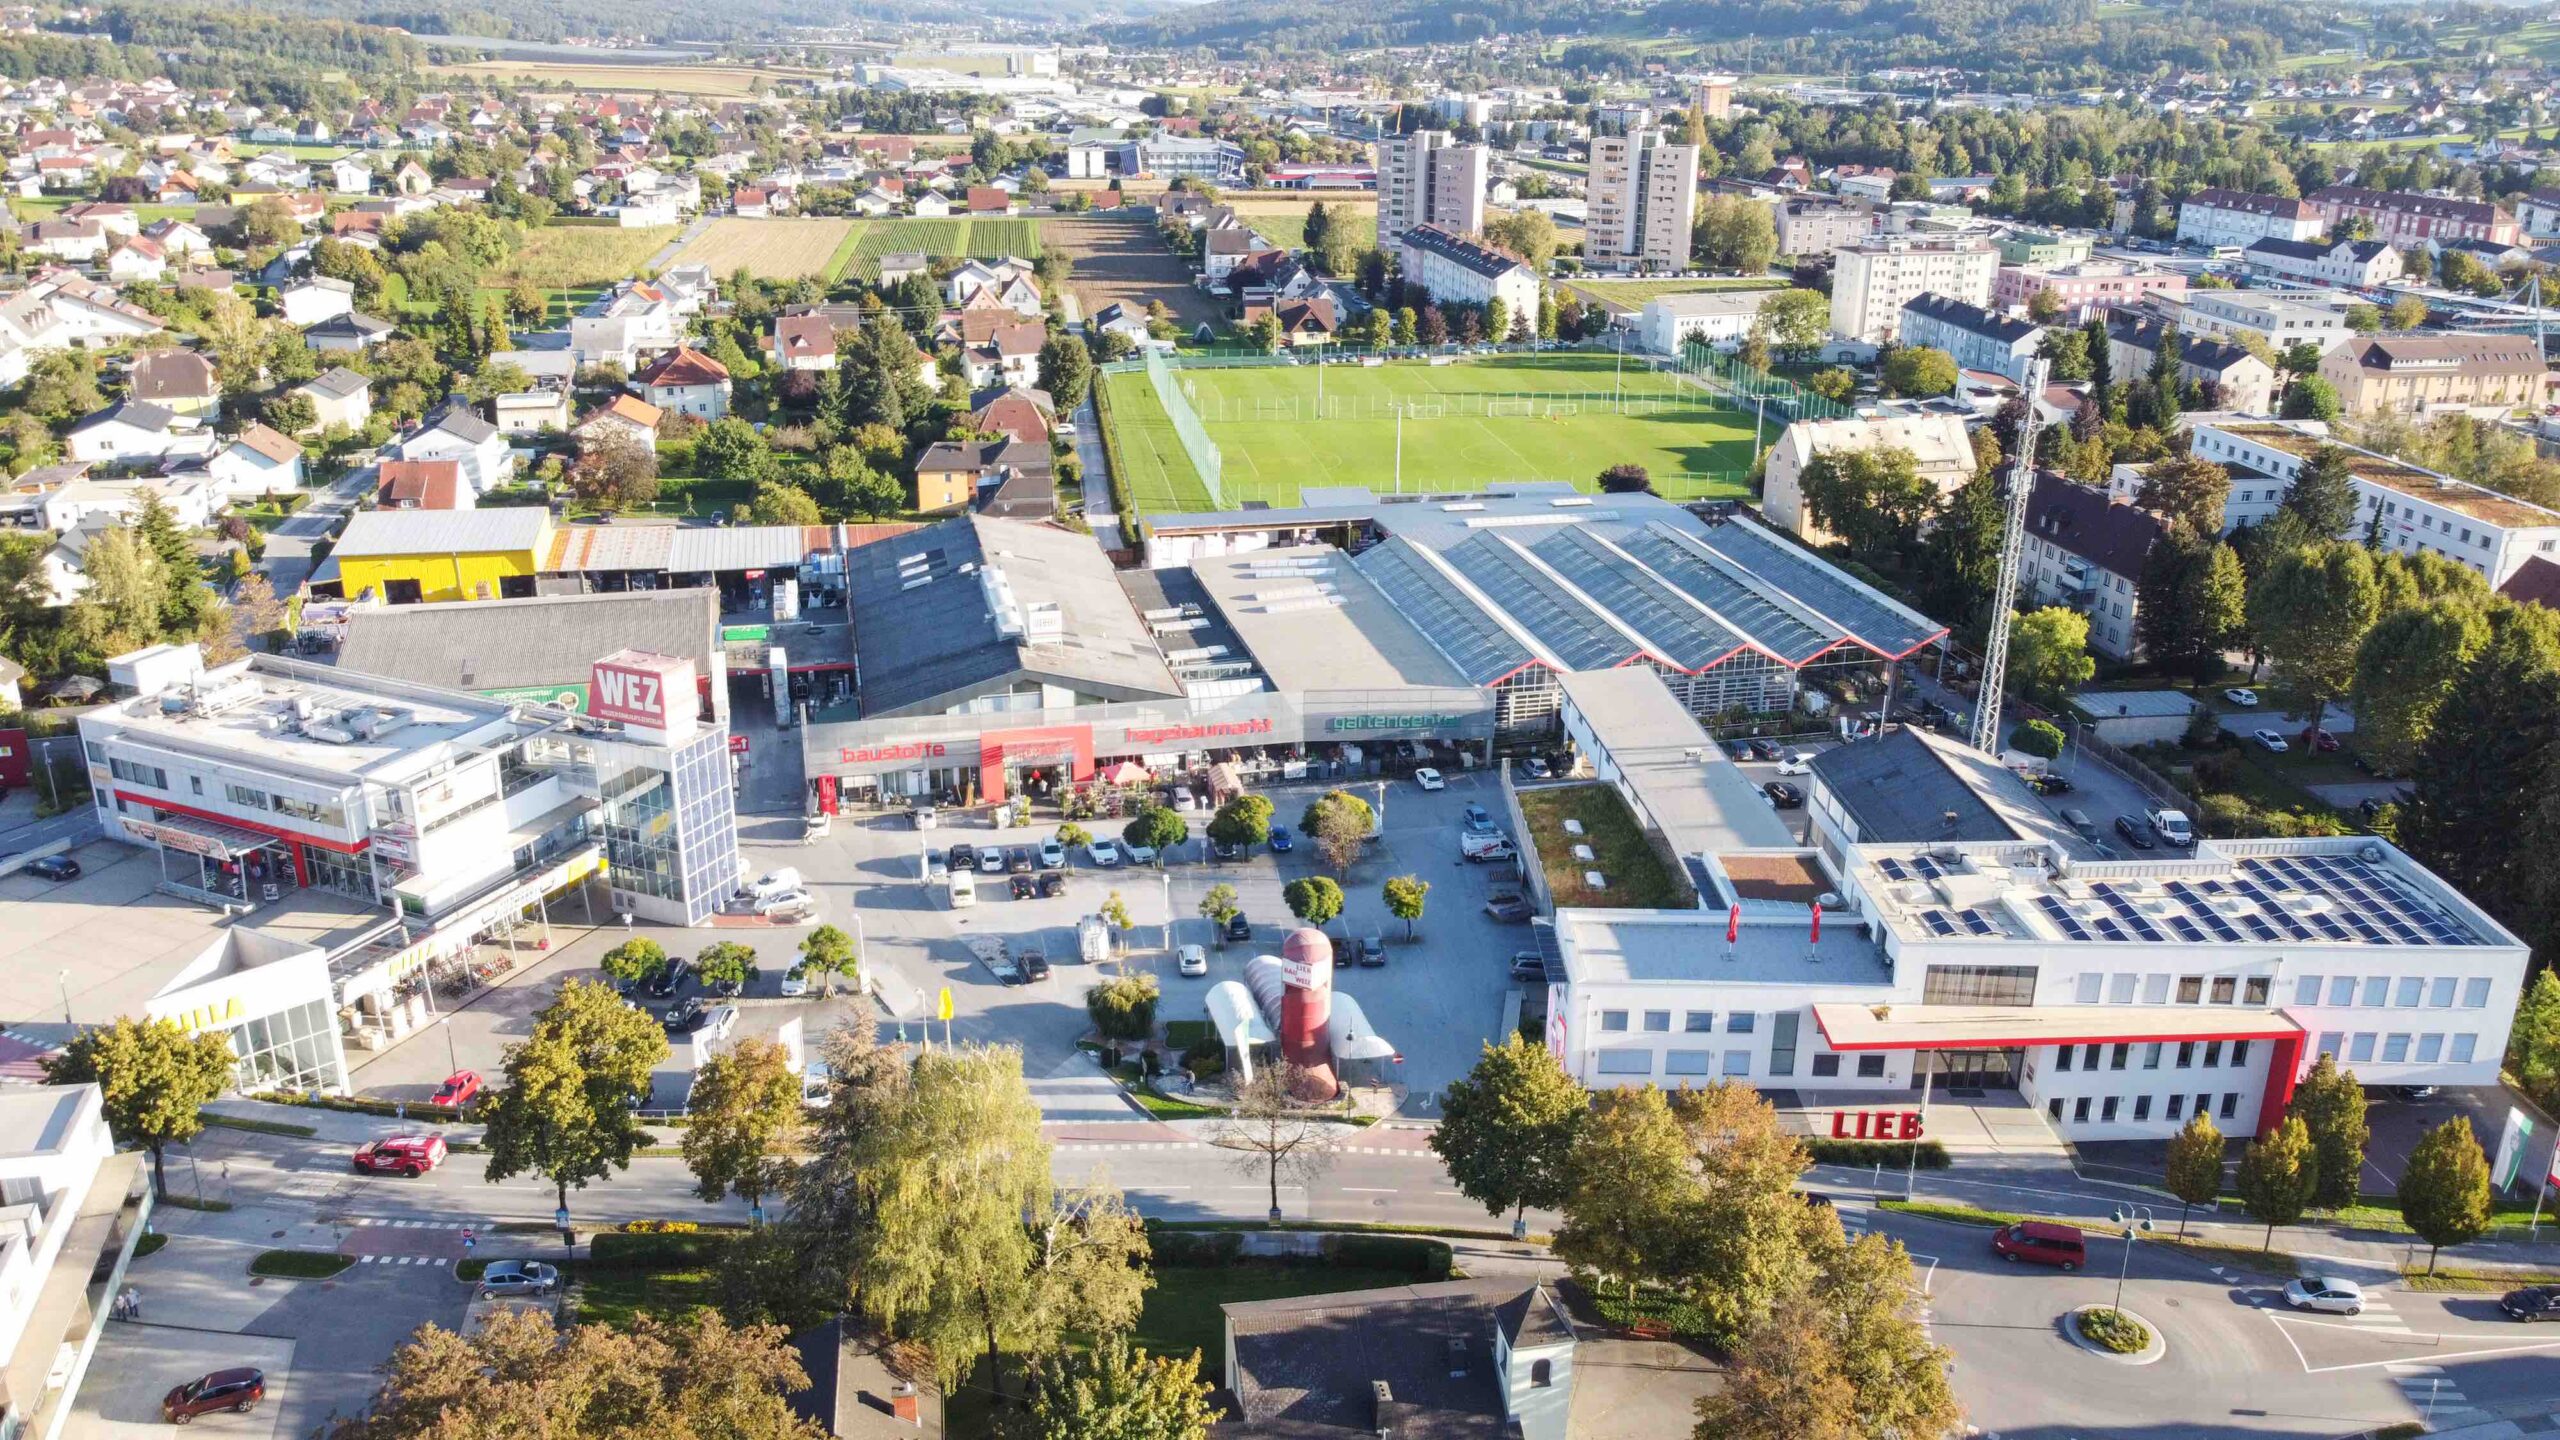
(294, 1049)
(670, 825)
(1979, 985)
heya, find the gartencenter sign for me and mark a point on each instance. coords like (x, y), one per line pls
(1354, 724)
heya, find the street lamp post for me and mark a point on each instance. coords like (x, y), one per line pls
(1167, 877)
(2124, 1216)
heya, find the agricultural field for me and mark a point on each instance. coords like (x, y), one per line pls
(730, 81)
(1120, 259)
(773, 249)
(1622, 297)
(573, 257)
(943, 239)
(1467, 424)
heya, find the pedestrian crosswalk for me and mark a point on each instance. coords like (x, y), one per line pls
(2377, 1318)
(2432, 1392)
(385, 1223)
(387, 1261)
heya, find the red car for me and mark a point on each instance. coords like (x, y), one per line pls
(459, 1088)
(238, 1390)
(2320, 740)
(401, 1155)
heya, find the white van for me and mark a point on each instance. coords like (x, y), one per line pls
(2174, 827)
(964, 889)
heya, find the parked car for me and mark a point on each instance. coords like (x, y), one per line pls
(1104, 853)
(1529, 965)
(1191, 960)
(2079, 821)
(1509, 907)
(1537, 768)
(1429, 779)
(964, 856)
(2319, 741)
(1239, 927)
(1795, 762)
(235, 1390)
(2534, 1302)
(458, 1089)
(1035, 966)
(1372, 951)
(1138, 854)
(1053, 856)
(925, 817)
(732, 989)
(54, 867)
(1744, 752)
(400, 1155)
(2327, 1294)
(1783, 795)
(2136, 833)
(2245, 699)
(1024, 887)
(2041, 1242)
(816, 827)
(791, 902)
(1281, 841)
(795, 983)
(1052, 882)
(991, 861)
(718, 1021)
(2269, 740)
(936, 869)
(1764, 749)
(2414, 1093)
(1225, 852)
(684, 1017)
(2050, 784)
(518, 1277)
(671, 979)
(1476, 818)
(1020, 860)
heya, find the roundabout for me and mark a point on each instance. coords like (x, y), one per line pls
(2090, 1332)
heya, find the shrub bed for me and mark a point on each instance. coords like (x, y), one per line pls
(2115, 1331)
(1421, 1258)
(680, 1250)
(300, 1264)
(1826, 1151)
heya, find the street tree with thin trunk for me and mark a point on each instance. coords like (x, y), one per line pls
(2331, 1104)
(2444, 1190)
(1218, 907)
(1404, 895)
(1244, 820)
(1314, 899)
(725, 962)
(154, 1080)
(565, 1110)
(2276, 1176)
(829, 953)
(744, 1122)
(1633, 1189)
(1506, 1130)
(1271, 1135)
(636, 961)
(2195, 1165)
(1339, 823)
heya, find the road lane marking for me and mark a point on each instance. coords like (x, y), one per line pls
(2519, 1348)
(1368, 1190)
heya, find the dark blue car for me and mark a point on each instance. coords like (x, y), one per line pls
(1280, 840)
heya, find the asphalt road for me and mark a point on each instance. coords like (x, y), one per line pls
(288, 562)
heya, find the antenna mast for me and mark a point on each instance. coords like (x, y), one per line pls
(2004, 591)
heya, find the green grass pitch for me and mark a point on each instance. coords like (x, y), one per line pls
(1571, 431)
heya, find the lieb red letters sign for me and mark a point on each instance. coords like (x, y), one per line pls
(1875, 1124)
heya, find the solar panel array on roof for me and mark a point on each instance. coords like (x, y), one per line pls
(2269, 899)
(1785, 632)
(1564, 625)
(1478, 646)
(1870, 619)
(1681, 632)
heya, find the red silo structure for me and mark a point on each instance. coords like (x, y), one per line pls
(1306, 1003)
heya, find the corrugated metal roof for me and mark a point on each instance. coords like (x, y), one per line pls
(578, 548)
(744, 547)
(440, 532)
(505, 644)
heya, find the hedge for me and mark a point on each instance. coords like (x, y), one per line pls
(358, 1105)
(1421, 1258)
(623, 1251)
(1892, 1153)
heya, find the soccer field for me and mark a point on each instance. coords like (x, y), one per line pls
(1465, 425)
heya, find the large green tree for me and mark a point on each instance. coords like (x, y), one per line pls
(2186, 490)
(2193, 603)
(743, 1122)
(1867, 1300)
(153, 1078)
(2444, 1189)
(565, 1109)
(1784, 1383)
(1876, 500)
(1112, 1391)
(2277, 1173)
(1633, 1191)
(2331, 1104)
(1507, 1130)
(1919, 371)
(2323, 493)
(2310, 611)
(2406, 667)
(2485, 775)
(2049, 654)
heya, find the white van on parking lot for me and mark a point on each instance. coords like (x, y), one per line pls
(964, 889)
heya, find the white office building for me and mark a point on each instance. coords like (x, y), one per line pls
(1722, 318)
(2404, 507)
(1643, 193)
(2214, 217)
(71, 1210)
(1871, 283)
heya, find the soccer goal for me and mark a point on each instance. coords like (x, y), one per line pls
(1557, 408)
(1497, 406)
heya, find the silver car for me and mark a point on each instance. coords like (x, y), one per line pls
(2325, 1293)
(518, 1277)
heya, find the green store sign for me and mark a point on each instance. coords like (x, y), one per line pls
(567, 697)
(1370, 724)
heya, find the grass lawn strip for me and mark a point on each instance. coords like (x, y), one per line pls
(1182, 1315)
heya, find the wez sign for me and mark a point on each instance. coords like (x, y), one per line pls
(637, 688)
(1875, 1124)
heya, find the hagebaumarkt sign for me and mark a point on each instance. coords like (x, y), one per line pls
(1371, 724)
